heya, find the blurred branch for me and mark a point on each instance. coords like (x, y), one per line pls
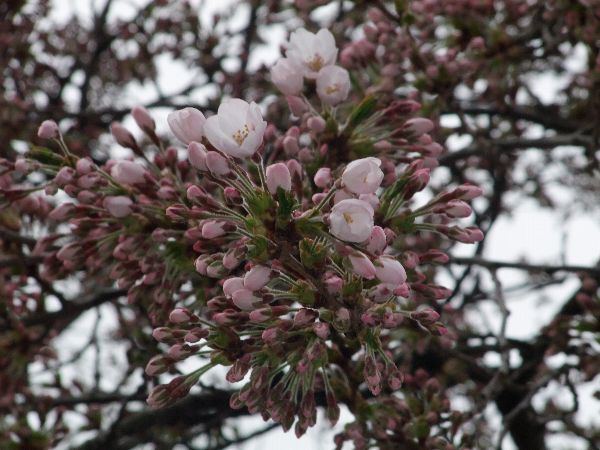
(549, 269)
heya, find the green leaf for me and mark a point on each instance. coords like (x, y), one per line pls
(259, 203)
(45, 155)
(312, 255)
(361, 112)
(286, 206)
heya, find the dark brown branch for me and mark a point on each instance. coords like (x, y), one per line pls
(73, 310)
(543, 268)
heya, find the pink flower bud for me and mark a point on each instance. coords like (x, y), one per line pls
(143, 119)
(297, 105)
(419, 180)
(61, 211)
(343, 195)
(333, 85)
(64, 176)
(323, 177)
(271, 335)
(201, 265)
(321, 329)
(118, 206)
(213, 228)
(304, 317)
(454, 208)
(22, 165)
(197, 155)
(257, 277)
(232, 284)
(316, 124)
(231, 259)
(68, 252)
(287, 77)
(232, 193)
(467, 192)
(402, 291)
(128, 172)
(371, 199)
(377, 241)
(158, 364)
(245, 300)
(216, 269)
(278, 175)
(123, 136)
(260, 315)
(361, 265)
(426, 316)
(348, 55)
(410, 260)
(187, 124)
(217, 164)
(435, 256)
(48, 130)
(84, 166)
(334, 284)
(433, 150)
(295, 168)
(389, 270)
(180, 315)
(419, 125)
(290, 145)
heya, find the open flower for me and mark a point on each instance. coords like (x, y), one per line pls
(333, 85)
(287, 77)
(187, 124)
(237, 129)
(363, 176)
(351, 220)
(311, 52)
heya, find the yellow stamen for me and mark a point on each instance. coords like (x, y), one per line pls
(316, 63)
(240, 135)
(348, 218)
(331, 89)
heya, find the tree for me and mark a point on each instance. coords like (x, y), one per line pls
(302, 253)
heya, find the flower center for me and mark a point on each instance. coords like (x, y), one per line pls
(331, 89)
(316, 63)
(240, 135)
(348, 218)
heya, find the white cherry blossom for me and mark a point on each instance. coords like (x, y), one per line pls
(237, 129)
(311, 52)
(187, 124)
(333, 85)
(351, 220)
(363, 176)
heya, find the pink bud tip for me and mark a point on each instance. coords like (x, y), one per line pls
(48, 130)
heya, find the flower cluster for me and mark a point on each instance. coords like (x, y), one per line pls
(283, 256)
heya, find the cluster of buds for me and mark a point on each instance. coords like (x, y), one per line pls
(283, 255)
(420, 417)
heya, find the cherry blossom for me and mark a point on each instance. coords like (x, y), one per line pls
(351, 220)
(311, 52)
(333, 85)
(237, 129)
(363, 176)
(287, 76)
(187, 124)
